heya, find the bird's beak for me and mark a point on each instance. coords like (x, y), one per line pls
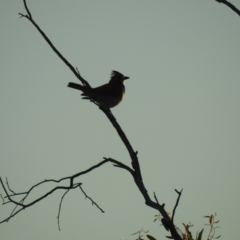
(125, 78)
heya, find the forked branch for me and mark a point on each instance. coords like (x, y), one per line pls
(71, 185)
(135, 171)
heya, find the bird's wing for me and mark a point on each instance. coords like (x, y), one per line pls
(104, 90)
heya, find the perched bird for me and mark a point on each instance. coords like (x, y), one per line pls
(106, 96)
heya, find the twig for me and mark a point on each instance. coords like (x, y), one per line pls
(84, 82)
(163, 205)
(93, 202)
(154, 194)
(2, 198)
(76, 73)
(175, 207)
(9, 187)
(71, 186)
(59, 210)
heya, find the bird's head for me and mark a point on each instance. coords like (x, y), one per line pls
(118, 77)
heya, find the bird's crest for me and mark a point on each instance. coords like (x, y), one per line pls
(116, 74)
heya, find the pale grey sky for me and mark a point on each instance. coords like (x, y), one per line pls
(181, 112)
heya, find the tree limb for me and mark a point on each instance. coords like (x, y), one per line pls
(135, 172)
(230, 5)
(137, 176)
(71, 186)
(75, 72)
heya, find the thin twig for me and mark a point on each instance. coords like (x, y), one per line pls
(2, 198)
(9, 187)
(175, 207)
(84, 82)
(70, 187)
(155, 197)
(29, 17)
(59, 210)
(93, 202)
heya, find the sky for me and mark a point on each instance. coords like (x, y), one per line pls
(180, 112)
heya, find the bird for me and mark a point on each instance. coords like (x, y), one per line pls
(106, 96)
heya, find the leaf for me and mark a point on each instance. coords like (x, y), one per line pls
(210, 219)
(170, 237)
(200, 235)
(217, 221)
(151, 237)
(218, 237)
(206, 216)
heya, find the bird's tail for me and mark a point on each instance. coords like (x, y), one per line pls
(76, 86)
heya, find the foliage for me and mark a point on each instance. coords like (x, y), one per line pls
(186, 234)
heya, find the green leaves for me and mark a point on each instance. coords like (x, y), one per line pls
(151, 237)
(199, 236)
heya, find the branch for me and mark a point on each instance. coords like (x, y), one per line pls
(135, 172)
(71, 186)
(175, 207)
(137, 176)
(133, 155)
(86, 196)
(75, 72)
(59, 210)
(229, 5)
(93, 202)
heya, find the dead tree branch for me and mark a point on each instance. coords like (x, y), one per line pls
(135, 172)
(75, 72)
(230, 5)
(23, 205)
(137, 176)
(59, 210)
(175, 207)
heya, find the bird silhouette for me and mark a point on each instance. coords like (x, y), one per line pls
(106, 96)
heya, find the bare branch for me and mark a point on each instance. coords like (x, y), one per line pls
(2, 198)
(133, 155)
(175, 207)
(135, 172)
(26, 7)
(59, 210)
(71, 186)
(9, 187)
(229, 5)
(119, 164)
(137, 176)
(75, 72)
(93, 202)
